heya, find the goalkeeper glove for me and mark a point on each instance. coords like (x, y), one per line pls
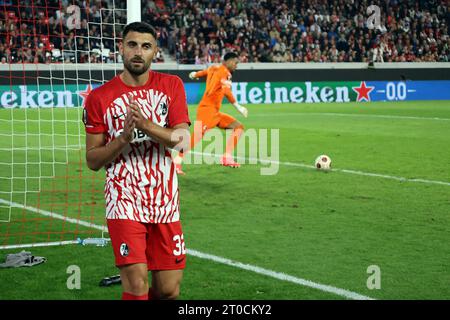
(241, 109)
(192, 75)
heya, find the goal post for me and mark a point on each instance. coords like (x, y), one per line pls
(54, 54)
(133, 11)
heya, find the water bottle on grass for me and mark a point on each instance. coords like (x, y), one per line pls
(99, 242)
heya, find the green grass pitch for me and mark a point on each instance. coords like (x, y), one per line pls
(385, 203)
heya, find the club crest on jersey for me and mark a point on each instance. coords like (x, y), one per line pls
(162, 110)
(124, 250)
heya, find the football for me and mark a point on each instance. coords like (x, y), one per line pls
(323, 162)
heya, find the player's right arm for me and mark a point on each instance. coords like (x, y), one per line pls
(99, 154)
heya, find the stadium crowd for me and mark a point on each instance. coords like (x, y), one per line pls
(199, 32)
(302, 31)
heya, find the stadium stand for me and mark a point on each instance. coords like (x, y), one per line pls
(302, 31)
(199, 32)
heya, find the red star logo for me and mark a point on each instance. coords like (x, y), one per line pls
(363, 91)
(84, 94)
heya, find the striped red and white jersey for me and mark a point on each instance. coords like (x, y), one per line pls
(141, 183)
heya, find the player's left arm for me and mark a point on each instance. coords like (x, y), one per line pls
(177, 137)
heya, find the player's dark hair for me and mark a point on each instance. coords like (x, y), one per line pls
(229, 55)
(140, 27)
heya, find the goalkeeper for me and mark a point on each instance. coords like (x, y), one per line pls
(218, 85)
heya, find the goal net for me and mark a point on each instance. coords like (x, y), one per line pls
(53, 53)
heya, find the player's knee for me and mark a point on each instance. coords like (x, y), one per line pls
(138, 285)
(169, 292)
(236, 125)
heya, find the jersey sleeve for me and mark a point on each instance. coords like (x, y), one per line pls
(178, 110)
(226, 87)
(93, 115)
(229, 95)
(201, 73)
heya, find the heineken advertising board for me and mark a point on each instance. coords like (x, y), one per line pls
(46, 96)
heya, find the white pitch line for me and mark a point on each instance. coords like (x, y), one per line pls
(270, 273)
(38, 244)
(53, 215)
(355, 172)
(348, 115)
(281, 276)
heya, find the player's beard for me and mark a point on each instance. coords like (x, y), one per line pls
(137, 70)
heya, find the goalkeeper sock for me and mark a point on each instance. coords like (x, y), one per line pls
(129, 296)
(178, 158)
(195, 138)
(234, 139)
